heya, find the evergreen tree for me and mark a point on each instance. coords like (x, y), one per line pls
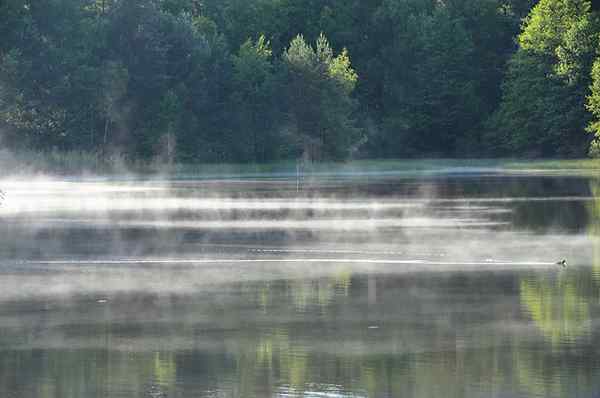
(431, 102)
(254, 100)
(51, 67)
(318, 96)
(155, 78)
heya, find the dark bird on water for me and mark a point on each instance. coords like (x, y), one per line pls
(562, 263)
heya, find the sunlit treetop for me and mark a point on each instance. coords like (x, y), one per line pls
(565, 31)
(252, 64)
(300, 55)
(548, 22)
(341, 70)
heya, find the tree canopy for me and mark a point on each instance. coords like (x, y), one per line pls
(262, 80)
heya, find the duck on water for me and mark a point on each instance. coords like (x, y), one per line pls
(562, 263)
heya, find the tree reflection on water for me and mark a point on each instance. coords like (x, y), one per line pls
(562, 305)
(348, 332)
(556, 306)
(594, 229)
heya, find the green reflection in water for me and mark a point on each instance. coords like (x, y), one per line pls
(393, 376)
(165, 369)
(560, 306)
(306, 293)
(271, 357)
(594, 228)
(556, 306)
(561, 309)
(536, 375)
(278, 358)
(321, 292)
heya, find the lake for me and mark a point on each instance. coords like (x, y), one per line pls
(391, 284)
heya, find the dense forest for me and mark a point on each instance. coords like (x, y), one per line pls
(264, 80)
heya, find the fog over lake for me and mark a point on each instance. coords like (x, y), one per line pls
(336, 285)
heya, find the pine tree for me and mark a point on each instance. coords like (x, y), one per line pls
(320, 106)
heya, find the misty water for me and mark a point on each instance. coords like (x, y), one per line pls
(369, 285)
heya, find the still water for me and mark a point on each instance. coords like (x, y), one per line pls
(434, 285)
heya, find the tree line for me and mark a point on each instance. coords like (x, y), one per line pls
(264, 80)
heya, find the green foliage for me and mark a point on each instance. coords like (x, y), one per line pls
(548, 23)
(577, 51)
(566, 32)
(320, 109)
(236, 80)
(543, 109)
(253, 98)
(340, 70)
(593, 105)
(431, 97)
(540, 115)
(47, 76)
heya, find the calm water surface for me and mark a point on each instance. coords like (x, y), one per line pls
(424, 286)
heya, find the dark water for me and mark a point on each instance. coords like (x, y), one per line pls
(431, 286)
